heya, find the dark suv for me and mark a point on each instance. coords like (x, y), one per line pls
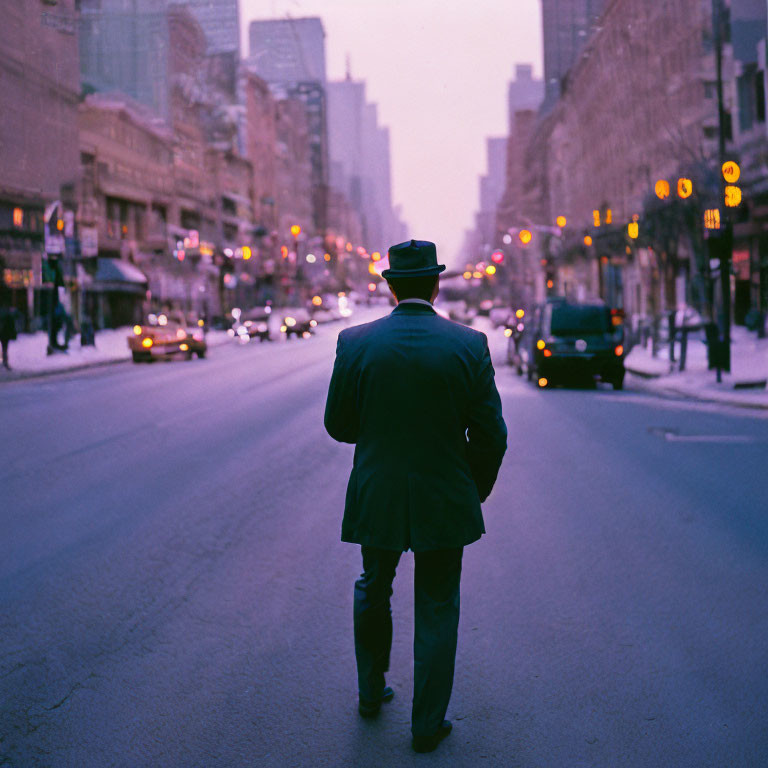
(569, 339)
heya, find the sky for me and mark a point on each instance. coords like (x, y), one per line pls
(438, 70)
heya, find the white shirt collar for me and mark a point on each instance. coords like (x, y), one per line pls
(415, 301)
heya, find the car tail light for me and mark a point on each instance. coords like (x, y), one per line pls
(619, 350)
(547, 353)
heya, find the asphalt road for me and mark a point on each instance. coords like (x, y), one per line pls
(173, 591)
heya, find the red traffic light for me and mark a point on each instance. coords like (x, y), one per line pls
(497, 257)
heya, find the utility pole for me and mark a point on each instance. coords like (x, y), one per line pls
(725, 241)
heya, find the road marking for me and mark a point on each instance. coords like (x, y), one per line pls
(672, 436)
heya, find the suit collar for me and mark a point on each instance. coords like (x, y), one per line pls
(413, 307)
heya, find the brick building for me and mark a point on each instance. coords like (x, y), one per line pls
(39, 162)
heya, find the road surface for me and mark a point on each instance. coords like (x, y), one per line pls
(173, 591)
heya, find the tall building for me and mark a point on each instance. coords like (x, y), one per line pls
(286, 51)
(39, 154)
(124, 47)
(289, 55)
(360, 154)
(220, 20)
(567, 26)
(524, 92)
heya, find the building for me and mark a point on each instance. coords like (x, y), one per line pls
(360, 155)
(39, 157)
(220, 22)
(124, 48)
(567, 26)
(288, 51)
(609, 136)
(289, 55)
(523, 92)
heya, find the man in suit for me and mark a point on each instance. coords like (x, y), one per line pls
(416, 395)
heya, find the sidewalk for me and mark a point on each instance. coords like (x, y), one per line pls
(28, 358)
(749, 367)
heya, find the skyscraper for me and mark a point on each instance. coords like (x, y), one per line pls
(524, 92)
(284, 51)
(289, 55)
(567, 25)
(220, 20)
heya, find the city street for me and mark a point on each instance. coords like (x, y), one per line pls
(173, 591)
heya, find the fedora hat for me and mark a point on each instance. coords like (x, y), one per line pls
(413, 258)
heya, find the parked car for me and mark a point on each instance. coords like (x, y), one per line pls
(167, 335)
(568, 339)
(298, 323)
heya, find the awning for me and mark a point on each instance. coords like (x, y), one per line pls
(118, 275)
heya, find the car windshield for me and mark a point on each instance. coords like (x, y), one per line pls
(569, 320)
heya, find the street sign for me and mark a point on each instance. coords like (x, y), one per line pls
(89, 241)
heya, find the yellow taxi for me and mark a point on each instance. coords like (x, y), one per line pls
(166, 334)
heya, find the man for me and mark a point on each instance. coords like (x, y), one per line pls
(416, 394)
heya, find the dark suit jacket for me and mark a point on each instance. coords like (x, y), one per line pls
(416, 394)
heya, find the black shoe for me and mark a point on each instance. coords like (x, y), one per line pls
(371, 708)
(429, 743)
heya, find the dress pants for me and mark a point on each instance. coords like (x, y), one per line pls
(436, 593)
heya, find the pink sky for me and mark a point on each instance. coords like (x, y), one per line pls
(438, 70)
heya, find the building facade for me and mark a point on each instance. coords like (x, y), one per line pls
(567, 27)
(39, 158)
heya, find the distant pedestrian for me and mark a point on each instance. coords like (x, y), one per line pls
(416, 394)
(8, 317)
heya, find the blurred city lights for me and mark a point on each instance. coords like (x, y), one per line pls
(467, 275)
(633, 229)
(662, 189)
(596, 218)
(520, 314)
(561, 221)
(317, 300)
(137, 330)
(477, 274)
(543, 382)
(490, 270)
(18, 217)
(497, 257)
(587, 240)
(712, 218)
(732, 196)
(246, 252)
(525, 236)
(295, 230)
(311, 258)
(731, 172)
(327, 256)
(371, 286)
(507, 239)
(684, 188)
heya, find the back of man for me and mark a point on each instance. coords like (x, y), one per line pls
(416, 394)
(421, 383)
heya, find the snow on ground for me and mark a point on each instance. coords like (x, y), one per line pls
(28, 353)
(749, 363)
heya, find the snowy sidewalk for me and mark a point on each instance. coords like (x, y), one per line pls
(749, 366)
(27, 355)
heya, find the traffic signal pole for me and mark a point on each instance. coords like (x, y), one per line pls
(726, 239)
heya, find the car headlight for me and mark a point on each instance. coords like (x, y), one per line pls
(313, 323)
(184, 347)
(262, 327)
(290, 321)
(146, 343)
(137, 330)
(283, 328)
